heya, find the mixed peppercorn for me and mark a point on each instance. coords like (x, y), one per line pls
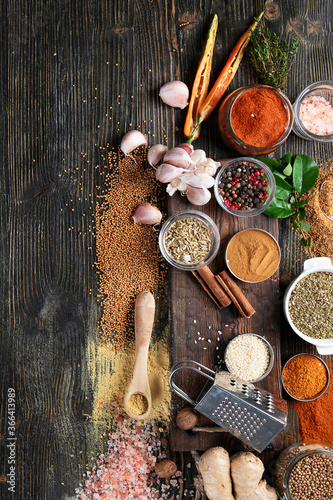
(243, 186)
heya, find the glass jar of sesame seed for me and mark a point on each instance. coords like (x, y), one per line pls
(305, 471)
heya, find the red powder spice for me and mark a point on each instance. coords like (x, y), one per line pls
(259, 117)
(315, 418)
(126, 471)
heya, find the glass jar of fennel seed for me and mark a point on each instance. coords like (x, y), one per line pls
(189, 240)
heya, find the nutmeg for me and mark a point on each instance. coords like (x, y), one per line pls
(165, 468)
(187, 418)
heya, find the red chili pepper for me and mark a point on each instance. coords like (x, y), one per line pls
(227, 73)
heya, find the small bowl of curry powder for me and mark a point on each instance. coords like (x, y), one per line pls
(305, 377)
(252, 255)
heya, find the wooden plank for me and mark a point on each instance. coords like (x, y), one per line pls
(194, 316)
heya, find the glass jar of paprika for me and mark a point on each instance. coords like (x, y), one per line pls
(255, 119)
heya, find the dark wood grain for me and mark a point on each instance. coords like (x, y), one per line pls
(76, 75)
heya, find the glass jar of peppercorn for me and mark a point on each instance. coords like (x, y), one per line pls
(244, 187)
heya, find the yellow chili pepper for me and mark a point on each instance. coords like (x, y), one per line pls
(226, 74)
(201, 83)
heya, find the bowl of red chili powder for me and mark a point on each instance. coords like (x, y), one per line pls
(255, 120)
(305, 377)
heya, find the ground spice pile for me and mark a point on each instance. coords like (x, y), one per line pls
(128, 257)
(304, 376)
(126, 470)
(315, 422)
(321, 232)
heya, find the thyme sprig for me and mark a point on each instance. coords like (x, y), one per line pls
(271, 58)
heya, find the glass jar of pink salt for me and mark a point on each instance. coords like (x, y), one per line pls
(313, 112)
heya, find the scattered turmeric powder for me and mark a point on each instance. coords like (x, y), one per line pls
(320, 201)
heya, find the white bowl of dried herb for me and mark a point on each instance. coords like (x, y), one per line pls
(308, 304)
(189, 240)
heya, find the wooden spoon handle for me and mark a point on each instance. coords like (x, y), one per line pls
(144, 319)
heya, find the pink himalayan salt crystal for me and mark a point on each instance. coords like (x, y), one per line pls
(124, 472)
(316, 114)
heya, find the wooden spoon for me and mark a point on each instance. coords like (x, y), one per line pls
(139, 383)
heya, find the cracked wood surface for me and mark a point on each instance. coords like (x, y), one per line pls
(65, 65)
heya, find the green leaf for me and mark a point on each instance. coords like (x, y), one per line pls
(298, 174)
(274, 165)
(283, 188)
(286, 158)
(305, 174)
(279, 208)
(305, 242)
(304, 225)
(288, 170)
(298, 204)
(310, 173)
(302, 214)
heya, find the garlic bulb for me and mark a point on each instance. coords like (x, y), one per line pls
(188, 171)
(147, 214)
(175, 94)
(132, 140)
(156, 153)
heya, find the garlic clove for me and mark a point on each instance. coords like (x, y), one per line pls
(198, 179)
(175, 185)
(210, 167)
(198, 196)
(175, 94)
(147, 214)
(156, 153)
(132, 140)
(198, 156)
(178, 157)
(187, 147)
(167, 172)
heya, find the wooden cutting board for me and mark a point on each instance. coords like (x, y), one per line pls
(200, 331)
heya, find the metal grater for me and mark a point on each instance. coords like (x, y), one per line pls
(252, 415)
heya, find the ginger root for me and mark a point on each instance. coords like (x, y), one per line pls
(214, 466)
(246, 473)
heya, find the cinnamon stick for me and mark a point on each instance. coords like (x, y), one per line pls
(235, 293)
(212, 287)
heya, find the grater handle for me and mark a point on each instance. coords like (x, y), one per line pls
(182, 365)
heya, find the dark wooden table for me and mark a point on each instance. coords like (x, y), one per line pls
(63, 65)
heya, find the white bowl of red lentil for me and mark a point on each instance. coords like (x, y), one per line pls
(308, 304)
